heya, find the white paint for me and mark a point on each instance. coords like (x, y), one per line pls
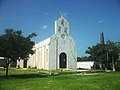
(85, 64)
(1, 57)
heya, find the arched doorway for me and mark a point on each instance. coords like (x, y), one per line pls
(25, 64)
(63, 60)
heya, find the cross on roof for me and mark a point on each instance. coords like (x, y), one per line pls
(62, 13)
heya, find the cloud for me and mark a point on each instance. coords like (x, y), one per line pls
(44, 27)
(101, 21)
(47, 14)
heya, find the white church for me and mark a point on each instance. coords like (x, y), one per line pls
(55, 52)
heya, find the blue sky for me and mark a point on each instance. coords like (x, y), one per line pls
(87, 19)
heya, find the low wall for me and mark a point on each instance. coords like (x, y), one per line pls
(85, 64)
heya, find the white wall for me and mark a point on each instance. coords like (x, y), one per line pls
(20, 63)
(85, 64)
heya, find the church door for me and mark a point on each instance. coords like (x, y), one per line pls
(63, 60)
(25, 64)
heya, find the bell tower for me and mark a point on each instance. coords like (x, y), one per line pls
(61, 25)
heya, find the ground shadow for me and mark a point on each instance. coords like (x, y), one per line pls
(26, 76)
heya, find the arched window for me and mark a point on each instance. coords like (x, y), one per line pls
(65, 30)
(59, 29)
(62, 22)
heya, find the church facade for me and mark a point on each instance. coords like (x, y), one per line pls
(55, 52)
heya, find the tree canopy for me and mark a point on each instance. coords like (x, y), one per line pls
(104, 55)
(14, 46)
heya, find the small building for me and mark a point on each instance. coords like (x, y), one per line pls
(3, 63)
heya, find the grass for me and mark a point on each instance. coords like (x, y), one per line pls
(41, 80)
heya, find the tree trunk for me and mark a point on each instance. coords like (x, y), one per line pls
(113, 64)
(107, 62)
(7, 66)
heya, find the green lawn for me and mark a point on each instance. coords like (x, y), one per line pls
(37, 80)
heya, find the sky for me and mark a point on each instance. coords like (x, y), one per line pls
(87, 19)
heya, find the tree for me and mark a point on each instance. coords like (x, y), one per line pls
(104, 55)
(79, 59)
(97, 54)
(113, 52)
(14, 46)
(85, 58)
